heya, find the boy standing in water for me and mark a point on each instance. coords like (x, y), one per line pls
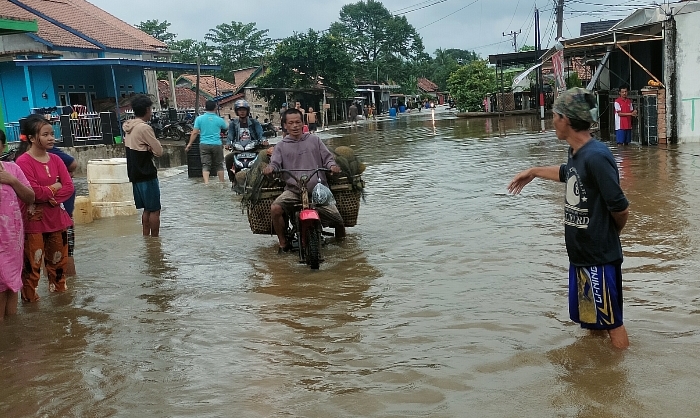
(141, 146)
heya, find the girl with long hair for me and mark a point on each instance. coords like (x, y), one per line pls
(46, 220)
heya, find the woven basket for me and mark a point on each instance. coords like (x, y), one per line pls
(347, 202)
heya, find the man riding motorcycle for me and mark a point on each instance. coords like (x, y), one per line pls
(241, 128)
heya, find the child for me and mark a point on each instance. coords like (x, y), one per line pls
(14, 192)
(46, 220)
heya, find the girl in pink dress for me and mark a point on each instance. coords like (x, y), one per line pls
(46, 220)
(14, 188)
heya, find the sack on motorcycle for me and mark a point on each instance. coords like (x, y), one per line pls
(322, 195)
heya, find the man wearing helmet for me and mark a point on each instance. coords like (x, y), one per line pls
(242, 127)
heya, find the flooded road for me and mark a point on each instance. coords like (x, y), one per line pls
(448, 299)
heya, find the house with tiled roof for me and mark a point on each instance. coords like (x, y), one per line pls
(79, 55)
(184, 96)
(226, 93)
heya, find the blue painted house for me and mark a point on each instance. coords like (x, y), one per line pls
(80, 55)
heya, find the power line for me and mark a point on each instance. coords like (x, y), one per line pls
(445, 17)
(422, 7)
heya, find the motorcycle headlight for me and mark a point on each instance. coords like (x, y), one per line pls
(238, 146)
(238, 163)
(250, 146)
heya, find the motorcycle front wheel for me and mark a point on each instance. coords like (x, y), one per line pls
(313, 247)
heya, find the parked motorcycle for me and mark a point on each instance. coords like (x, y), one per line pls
(304, 229)
(170, 130)
(269, 130)
(174, 130)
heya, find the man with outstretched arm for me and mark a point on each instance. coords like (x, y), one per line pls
(595, 212)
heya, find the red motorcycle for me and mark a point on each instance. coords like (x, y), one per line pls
(304, 229)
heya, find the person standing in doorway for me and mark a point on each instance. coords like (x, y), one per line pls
(209, 126)
(624, 112)
(141, 146)
(595, 212)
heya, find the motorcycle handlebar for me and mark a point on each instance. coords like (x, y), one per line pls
(290, 172)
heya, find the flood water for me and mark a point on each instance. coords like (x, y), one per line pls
(448, 299)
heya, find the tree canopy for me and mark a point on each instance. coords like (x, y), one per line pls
(158, 30)
(471, 83)
(306, 60)
(377, 40)
(238, 45)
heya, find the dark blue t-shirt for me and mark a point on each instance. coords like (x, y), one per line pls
(592, 192)
(67, 160)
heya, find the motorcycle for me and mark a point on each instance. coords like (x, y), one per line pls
(269, 130)
(304, 229)
(245, 152)
(170, 130)
(174, 130)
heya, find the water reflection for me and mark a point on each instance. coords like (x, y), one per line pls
(593, 381)
(320, 315)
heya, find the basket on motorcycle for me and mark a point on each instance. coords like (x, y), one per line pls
(259, 217)
(347, 199)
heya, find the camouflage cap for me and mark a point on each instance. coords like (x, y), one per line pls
(577, 103)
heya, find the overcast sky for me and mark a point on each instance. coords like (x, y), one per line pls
(465, 24)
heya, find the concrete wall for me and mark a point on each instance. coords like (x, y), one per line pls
(173, 155)
(688, 70)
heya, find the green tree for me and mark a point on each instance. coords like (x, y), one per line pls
(188, 50)
(238, 45)
(158, 30)
(377, 40)
(471, 83)
(462, 56)
(305, 60)
(526, 48)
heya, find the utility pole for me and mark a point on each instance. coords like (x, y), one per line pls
(515, 38)
(560, 18)
(538, 53)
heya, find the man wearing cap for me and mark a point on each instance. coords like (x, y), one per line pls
(595, 212)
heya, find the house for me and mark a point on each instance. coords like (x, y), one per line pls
(13, 26)
(79, 55)
(184, 97)
(654, 51)
(226, 93)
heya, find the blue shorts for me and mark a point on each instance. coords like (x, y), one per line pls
(147, 195)
(623, 136)
(595, 296)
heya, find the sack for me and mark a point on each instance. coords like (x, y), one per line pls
(322, 195)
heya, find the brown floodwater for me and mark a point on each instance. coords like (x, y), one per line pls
(448, 299)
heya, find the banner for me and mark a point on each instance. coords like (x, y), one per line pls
(558, 66)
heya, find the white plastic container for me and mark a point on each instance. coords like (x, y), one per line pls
(109, 188)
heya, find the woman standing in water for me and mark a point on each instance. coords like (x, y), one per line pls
(46, 220)
(14, 188)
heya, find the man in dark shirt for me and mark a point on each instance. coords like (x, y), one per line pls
(595, 212)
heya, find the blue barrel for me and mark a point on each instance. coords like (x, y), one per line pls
(392, 111)
(402, 109)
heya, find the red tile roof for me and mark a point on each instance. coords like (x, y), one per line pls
(185, 97)
(85, 18)
(208, 84)
(427, 86)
